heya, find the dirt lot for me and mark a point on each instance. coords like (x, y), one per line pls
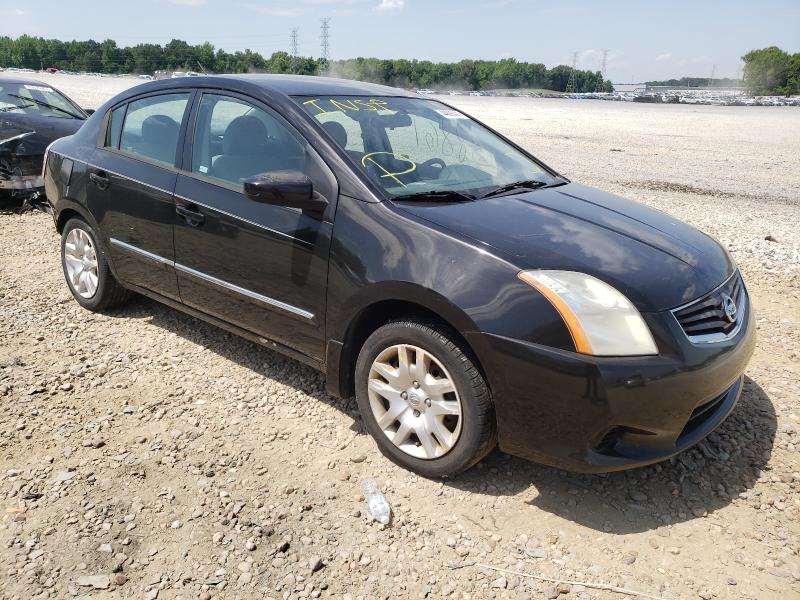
(146, 454)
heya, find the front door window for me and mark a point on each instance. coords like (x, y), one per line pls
(235, 140)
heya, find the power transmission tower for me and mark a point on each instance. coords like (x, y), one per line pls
(600, 86)
(711, 79)
(325, 39)
(571, 83)
(294, 50)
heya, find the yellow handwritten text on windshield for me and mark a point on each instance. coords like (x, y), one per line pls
(329, 105)
(386, 173)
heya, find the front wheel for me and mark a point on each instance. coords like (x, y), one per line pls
(86, 268)
(423, 399)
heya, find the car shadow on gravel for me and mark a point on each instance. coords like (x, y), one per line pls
(259, 359)
(693, 484)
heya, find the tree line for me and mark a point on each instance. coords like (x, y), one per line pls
(468, 74)
(767, 71)
(106, 57)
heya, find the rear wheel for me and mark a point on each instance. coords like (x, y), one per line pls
(86, 269)
(423, 399)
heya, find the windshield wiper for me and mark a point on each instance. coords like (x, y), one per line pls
(15, 107)
(437, 196)
(527, 184)
(48, 105)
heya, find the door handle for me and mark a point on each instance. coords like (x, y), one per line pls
(101, 181)
(193, 217)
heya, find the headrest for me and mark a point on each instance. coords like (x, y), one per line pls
(337, 132)
(159, 128)
(244, 135)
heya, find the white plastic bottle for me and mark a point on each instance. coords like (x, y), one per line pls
(377, 504)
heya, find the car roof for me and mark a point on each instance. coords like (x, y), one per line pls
(273, 85)
(308, 85)
(289, 85)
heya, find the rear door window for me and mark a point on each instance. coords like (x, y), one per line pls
(152, 127)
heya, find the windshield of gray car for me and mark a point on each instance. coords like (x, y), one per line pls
(414, 146)
(36, 99)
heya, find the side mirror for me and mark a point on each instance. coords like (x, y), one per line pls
(285, 188)
(89, 111)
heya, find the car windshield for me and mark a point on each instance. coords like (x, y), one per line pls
(36, 99)
(415, 146)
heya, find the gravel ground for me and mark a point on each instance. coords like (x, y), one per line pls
(145, 454)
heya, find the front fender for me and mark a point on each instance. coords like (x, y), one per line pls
(403, 291)
(380, 253)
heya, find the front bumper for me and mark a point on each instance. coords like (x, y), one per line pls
(592, 414)
(20, 173)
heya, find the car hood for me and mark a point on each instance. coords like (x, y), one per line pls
(657, 261)
(37, 132)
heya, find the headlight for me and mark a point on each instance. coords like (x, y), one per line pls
(601, 320)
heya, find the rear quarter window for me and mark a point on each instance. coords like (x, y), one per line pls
(115, 126)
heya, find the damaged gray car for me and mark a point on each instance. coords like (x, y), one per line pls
(32, 116)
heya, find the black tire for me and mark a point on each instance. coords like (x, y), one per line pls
(478, 430)
(109, 292)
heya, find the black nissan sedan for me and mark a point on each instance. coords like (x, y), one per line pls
(32, 115)
(467, 294)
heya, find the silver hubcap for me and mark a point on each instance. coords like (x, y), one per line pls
(414, 401)
(80, 260)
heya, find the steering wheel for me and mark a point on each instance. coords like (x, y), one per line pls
(432, 162)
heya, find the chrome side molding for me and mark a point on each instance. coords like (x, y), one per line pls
(251, 295)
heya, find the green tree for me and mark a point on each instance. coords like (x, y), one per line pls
(111, 57)
(467, 71)
(559, 77)
(793, 80)
(770, 71)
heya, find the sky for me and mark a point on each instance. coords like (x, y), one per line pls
(646, 40)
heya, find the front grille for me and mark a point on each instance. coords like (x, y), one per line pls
(705, 319)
